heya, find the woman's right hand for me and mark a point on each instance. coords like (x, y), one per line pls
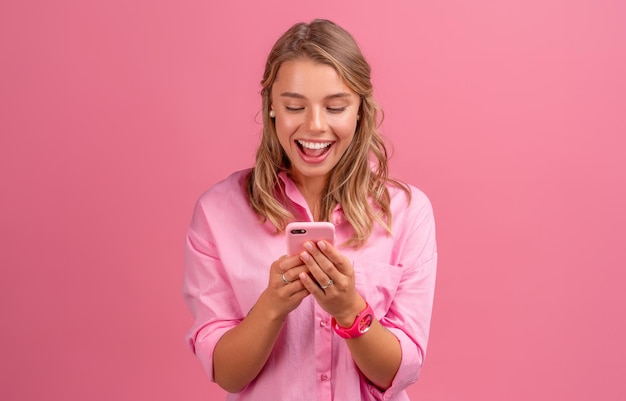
(280, 296)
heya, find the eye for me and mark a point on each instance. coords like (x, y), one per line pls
(292, 109)
(336, 110)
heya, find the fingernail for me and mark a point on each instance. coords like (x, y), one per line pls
(304, 256)
(308, 246)
(322, 245)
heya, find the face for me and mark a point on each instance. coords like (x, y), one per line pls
(315, 117)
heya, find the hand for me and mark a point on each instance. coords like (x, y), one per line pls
(283, 297)
(331, 281)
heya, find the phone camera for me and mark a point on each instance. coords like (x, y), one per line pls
(299, 231)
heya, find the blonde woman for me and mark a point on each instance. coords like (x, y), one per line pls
(347, 321)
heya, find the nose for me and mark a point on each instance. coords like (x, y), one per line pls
(316, 120)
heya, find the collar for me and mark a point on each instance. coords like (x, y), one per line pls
(295, 196)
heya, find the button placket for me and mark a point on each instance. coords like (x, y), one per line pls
(323, 352)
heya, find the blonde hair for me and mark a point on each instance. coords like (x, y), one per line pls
(359, 180)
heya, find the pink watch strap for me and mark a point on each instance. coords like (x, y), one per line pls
(361, 324)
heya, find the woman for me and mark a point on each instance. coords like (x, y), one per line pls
(343, 322)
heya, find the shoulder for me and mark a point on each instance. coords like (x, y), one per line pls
(228, 189)
(225, 198)
(413, 222)
(410, 209)
(408, 198)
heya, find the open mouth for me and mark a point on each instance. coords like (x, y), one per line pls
(313, 149)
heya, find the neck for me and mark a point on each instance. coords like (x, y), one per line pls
(312, 189)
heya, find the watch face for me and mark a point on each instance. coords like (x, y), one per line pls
(365, 323)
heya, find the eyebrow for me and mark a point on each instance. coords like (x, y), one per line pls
(299, 96)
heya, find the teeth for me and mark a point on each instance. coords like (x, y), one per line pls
(314, 145)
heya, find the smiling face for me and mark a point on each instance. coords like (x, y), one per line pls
(315, 117)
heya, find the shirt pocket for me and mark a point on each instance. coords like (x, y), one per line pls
(378, 283)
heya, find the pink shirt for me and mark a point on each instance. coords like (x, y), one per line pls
(228, 255)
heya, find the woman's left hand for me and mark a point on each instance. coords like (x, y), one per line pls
(331, 281)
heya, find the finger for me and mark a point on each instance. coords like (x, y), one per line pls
(337, 259)
(320, 277)
(288, 286)
(311, 285)
(325, 264)
(297, 289)
(291, 274)
(285, 263)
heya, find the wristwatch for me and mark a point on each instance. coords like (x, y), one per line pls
(361, 324)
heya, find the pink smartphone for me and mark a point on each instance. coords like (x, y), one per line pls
(300, 232)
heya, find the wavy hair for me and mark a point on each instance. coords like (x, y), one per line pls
(359, 180)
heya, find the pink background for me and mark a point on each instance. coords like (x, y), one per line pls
(115, 115)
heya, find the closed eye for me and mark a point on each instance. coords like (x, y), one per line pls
(336, 109)
(294, 109)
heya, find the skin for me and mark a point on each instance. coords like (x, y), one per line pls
(311, 102)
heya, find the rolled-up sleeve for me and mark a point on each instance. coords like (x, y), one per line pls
(409, 315)
(206, 291)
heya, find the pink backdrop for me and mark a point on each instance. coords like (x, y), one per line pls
(115, 115)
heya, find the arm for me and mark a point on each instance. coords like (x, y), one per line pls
(220, 330)
(391, 353)
(257, 333)
(377, 353)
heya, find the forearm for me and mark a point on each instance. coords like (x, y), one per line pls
(256, 334)
(377, 354)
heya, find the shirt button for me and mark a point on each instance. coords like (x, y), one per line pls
(323, 323)
(324, 378)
